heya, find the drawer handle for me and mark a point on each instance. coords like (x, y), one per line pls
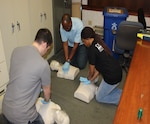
(2, 92)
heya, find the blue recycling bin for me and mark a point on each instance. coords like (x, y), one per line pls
(112, 17)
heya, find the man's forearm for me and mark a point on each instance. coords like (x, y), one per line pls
(47, 93)
(65, 47)
(73, 51)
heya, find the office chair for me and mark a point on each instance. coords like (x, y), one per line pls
(125, 41)
(141, 18)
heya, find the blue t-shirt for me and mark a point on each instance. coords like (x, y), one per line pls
(74, 35)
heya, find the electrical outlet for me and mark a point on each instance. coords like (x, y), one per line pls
(89, 22)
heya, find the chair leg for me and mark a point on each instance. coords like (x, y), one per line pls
(125, 63)
(125, 69)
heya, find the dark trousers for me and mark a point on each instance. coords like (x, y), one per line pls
(5, 120)
(79, 60)
(38, 120)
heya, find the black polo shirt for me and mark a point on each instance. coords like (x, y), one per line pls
(104, 63)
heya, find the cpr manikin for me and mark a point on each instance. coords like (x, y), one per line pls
(52, 113)
(86, 92)
(71, 74)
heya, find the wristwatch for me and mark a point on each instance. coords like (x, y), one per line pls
(68, 60)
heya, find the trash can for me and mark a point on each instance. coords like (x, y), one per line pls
(112, 17)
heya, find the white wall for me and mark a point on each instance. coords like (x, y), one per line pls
(92, 18)
(73, 1)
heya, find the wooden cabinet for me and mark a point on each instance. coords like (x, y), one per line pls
(102, 3)
(14, 25)
(131, 5)
(3, 69)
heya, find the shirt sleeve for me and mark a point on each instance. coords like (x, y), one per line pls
(46, 75)
(79, 27)
(63, 34)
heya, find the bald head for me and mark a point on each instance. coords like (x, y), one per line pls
(66, 22)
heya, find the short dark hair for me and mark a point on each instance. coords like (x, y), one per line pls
(87, 32)
(45, 35)
(66, 17)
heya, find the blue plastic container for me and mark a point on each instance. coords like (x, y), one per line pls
(112, 18)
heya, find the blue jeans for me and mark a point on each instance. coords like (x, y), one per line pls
(79, 59)
(107, 93)
(6, 121)
(38, 120)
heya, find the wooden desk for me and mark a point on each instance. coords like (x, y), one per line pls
(136, 91)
